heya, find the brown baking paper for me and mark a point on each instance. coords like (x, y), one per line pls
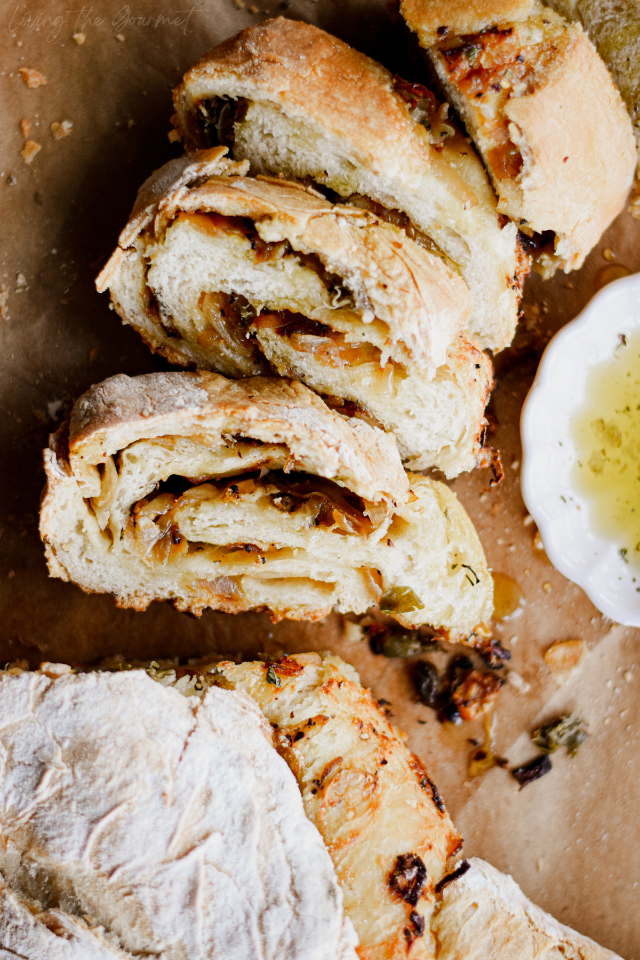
(572, 839)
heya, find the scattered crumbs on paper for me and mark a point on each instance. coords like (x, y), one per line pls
(29, 151)
(79, 38)
(564, 657)
(32, 78)
(514, 678)
(4, 297)
(60, 130)
(53, 409)
(25, 126)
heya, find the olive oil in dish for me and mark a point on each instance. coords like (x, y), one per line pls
(606, 433)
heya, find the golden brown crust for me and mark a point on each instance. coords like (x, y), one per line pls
(122, 410)
(311, 74)
(371, 799)
(433, 20)
(578, 136)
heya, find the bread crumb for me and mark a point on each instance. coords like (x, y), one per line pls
(253, 9)
(546, 586)
(239, 4)
(352, 632)
(21, 282)
(30, 149)
(4, 296)
(32, 78)
(174, 136)
(60, 130)
(120, 37)
(79, 38)
(564, 657)
(25, 126)
(608, 254)
(130, 123)
(54, 670)
(93, 353)
(11, 574)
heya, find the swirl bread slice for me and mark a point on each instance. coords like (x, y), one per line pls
(543, 111)
(252, 495)
(297, 102)
(138, 822)
(235, 274)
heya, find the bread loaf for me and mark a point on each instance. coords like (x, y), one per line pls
(137, 822)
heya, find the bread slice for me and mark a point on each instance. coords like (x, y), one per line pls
(140, 823)
(544, 112)
(253, 495)
(614, 27)
(298, 102)
(379, 814)
(244, 275)
(484, 915)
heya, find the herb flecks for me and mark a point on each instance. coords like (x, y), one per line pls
(569, 732)
(272, 676)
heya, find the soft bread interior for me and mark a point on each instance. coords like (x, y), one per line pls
(212, 281)
(294, 544)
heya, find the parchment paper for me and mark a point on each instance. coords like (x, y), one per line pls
(572, 839)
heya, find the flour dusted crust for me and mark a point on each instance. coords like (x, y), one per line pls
(283, 539)
(483, 915)
(370, 798)
(570, 127)
(414, 374)
(319, 109)
(157, 825)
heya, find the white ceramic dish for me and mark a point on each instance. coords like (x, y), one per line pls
(548, 452)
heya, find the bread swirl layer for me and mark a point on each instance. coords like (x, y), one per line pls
(228, 269)
(253, 495)
(300, 103)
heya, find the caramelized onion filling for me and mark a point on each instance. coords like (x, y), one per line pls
(487, 68)
(153, 532)
(325, 344)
